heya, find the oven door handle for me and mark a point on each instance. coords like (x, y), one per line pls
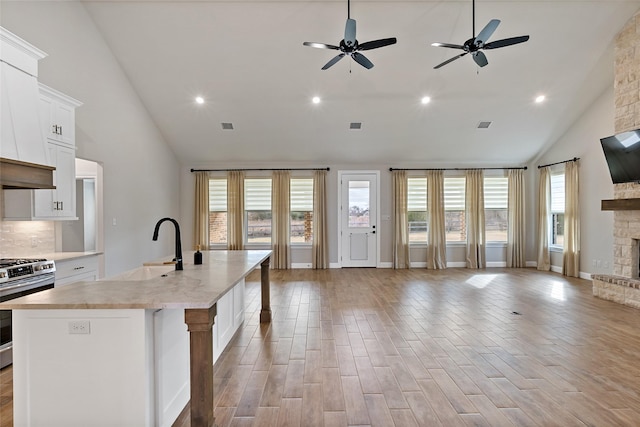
(46, 279)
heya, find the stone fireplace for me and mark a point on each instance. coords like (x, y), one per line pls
(624, 285)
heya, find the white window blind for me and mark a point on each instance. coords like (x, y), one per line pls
(496, 192)
(257, 194)
(557, 193)
(417, 194)
(218, 195)
(454, 193)
(301, 190)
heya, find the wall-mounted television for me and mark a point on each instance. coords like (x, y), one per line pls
(622, 152)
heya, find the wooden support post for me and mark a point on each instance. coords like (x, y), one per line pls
(199, 323)
(265, 313)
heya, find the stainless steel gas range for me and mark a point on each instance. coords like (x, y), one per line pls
(20, 277)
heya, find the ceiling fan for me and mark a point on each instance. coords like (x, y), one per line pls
(349, 46)
(476, 44)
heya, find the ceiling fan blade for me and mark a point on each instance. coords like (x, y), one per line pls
(480, 58)
(321, 45)
(377, 43)
(487, 31)
(506, 42)
(350, 32)
(449, 60)
(452, 46)
(362, 60)
(333, 61)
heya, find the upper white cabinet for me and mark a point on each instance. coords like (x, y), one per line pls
(56, 109)
(57, 112)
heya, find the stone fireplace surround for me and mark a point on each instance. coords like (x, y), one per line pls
(623, 286)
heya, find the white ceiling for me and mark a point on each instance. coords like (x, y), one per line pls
(247, 60)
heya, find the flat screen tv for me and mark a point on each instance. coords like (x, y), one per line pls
(622, 152)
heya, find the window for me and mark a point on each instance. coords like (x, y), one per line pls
(257, 209)
(417, 209)
(217, 211)
(557, 209)
(301, 197)
(454, 215)
(496, 200)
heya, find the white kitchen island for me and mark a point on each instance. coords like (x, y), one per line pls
(112, 352)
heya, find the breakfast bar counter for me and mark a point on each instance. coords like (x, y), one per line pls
(138, 294)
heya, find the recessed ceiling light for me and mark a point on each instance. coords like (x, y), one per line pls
(540, 99)
(199, 100)
(315, 100)
(425, 100)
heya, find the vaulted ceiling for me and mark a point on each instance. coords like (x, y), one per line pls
(246, 59)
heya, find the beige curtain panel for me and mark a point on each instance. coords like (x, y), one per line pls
(571, 249)
(235, 210)
(436, 235)
(401, 221)
(201, 220)
(516, 233)
(474, 211)
(281, 223)
(544, 204)
(319, 246)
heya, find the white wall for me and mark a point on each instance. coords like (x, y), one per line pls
(583, 140)
(141, 173)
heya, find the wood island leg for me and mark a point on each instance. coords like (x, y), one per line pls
(199, 323)
(265, 313)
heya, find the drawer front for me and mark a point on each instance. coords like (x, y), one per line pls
(76, 266)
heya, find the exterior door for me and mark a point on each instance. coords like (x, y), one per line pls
(358, 219)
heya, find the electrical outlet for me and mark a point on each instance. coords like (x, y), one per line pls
(34, 241)
(79, 327)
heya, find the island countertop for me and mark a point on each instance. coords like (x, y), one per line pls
(195, 287)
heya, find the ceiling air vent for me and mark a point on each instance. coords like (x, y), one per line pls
(355, 125)
(484, 125)
(227, 126)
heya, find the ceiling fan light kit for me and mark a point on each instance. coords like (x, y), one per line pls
(349, 45)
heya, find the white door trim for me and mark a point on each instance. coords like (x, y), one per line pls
(377, 216)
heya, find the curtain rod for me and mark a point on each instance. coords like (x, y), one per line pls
(575, 159)
(453, 169)
(268, 169)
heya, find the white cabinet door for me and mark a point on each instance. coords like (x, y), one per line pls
(58, 203)
(57, 112)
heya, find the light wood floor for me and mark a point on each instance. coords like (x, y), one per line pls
(372, 347)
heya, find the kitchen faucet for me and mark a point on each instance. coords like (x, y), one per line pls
(178, 258)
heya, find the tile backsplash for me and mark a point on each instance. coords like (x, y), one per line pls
(26, 238)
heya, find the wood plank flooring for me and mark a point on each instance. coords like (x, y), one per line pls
(377, 347)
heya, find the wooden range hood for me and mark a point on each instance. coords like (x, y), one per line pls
(16, 174)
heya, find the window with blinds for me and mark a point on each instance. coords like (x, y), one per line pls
(417, 209)
(454, 214)
(257, 208)
(496, 201)
(217, 211)
(557, 209)
(301, 199)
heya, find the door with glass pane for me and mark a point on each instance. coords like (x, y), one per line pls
(358, 219)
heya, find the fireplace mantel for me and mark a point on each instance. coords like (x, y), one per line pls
(621, 205)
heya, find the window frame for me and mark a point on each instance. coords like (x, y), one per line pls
(504, 189)
(292, 201)
(247, 186)
(417, 198)
(226, 211)
(462, 200)
(554, 211)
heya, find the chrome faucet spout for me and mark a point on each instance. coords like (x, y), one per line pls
(178, 258)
